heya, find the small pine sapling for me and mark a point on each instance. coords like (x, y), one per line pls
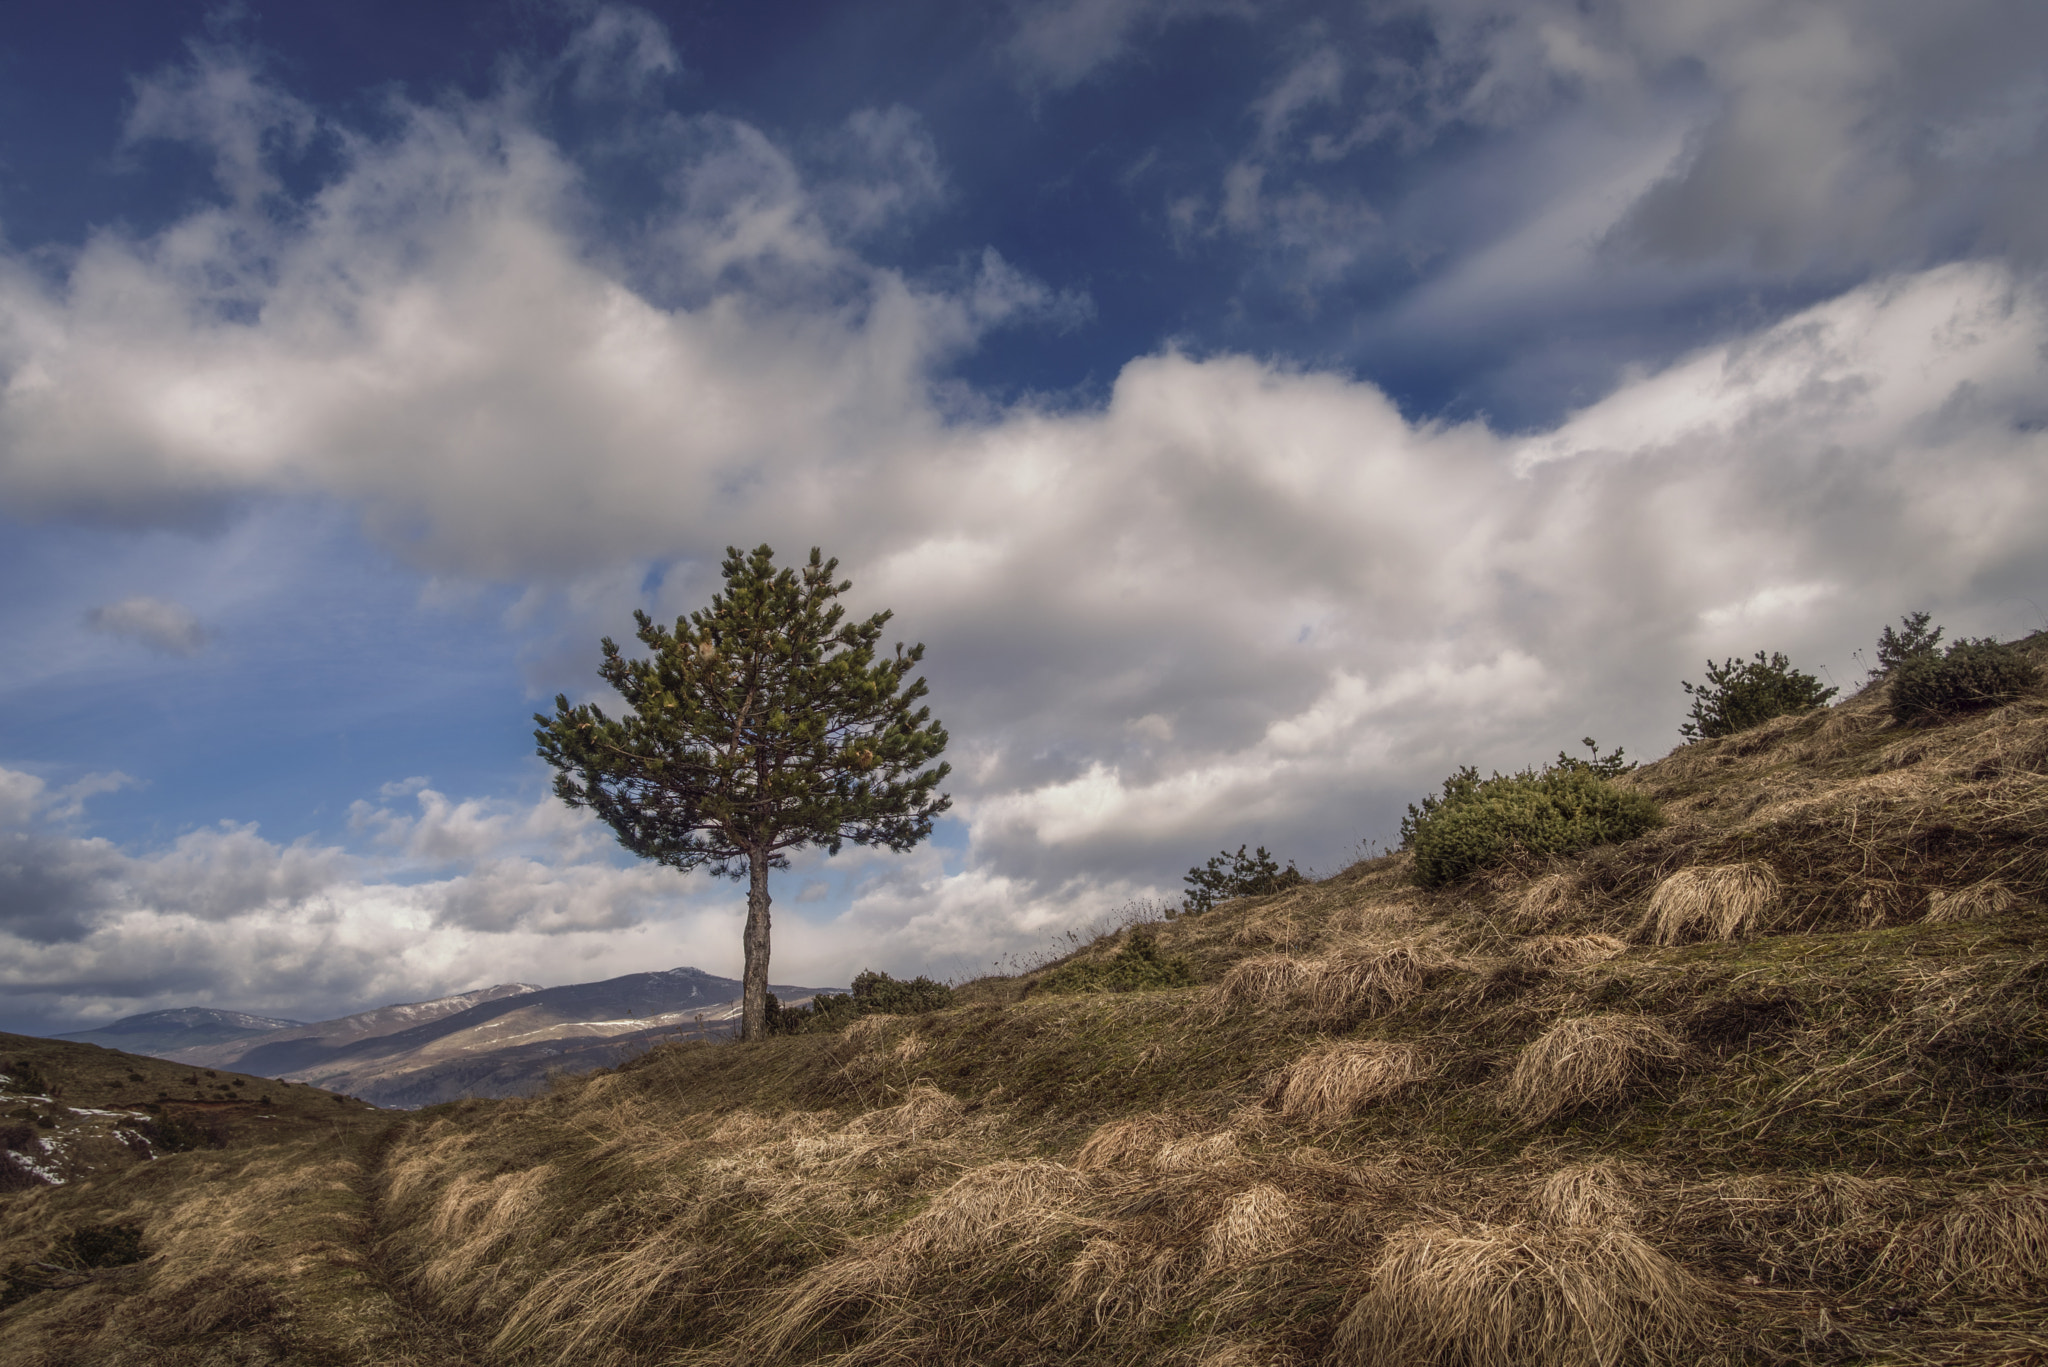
(1911, 640)
(1739, 694)
(1228, 875)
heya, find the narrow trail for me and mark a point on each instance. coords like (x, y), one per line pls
(413, 1334)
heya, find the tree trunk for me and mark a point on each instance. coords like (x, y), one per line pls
(754, 1004)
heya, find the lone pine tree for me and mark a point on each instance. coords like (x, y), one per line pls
(758, 725)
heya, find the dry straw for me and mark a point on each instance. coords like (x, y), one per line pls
(1543, 903)
(1257, 1224)
(1362, 981)
(1973, 903)
(1585, 1060)
(990, 1205)
(1333, 1084)
(1197, 1151)
(1717, 902)
(1126, 1143)
(1259, 983)
(1568, 951)
(1827, 1225)
(1522, 1296)
(1368, 982)
(1992, 1242)
(1584, 1194)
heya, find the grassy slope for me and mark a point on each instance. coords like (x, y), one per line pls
(1361, 1140)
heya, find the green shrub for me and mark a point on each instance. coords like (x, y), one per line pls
(873, 994)
(1136, 967)
(26, 1079)
(1478, 822)
(1971, 675)
(1230, 875)
(1911, 641)
(168, 1134)
(106, 1245)
(1740, 694)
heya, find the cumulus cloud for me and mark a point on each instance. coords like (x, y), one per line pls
(1817, 134)
(1061, 43)
(1238, 600)
(162, 626)
(222, 915)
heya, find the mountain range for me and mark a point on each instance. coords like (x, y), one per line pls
(496, 1041)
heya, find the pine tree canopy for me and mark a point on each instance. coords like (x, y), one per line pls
(759, 724)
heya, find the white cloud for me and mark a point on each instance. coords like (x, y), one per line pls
(1823, 133)
(163, 626)
(623, 52)
(1061, 43)
(1236, 602)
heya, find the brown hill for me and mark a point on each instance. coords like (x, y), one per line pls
(1768, 1084)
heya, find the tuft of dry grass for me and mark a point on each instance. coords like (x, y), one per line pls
(1543, 903)
(1585, 1194)
(1719, 901)
(1523, 1296)
(1352, 983)
(1258, 1223)
(1586, 1060)
(867, 1032)
(1332, 1084)
(924, 1110)
(1826, 1225)
(1568, 951)
(1259, 983)
(1131, 1142)
(1197, 1151)
(1236, 1353)
(1009, 1201)
(1989, 1242)
(1371, 980)
(1976, 902)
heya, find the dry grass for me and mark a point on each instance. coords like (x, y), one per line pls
(1371, 980)
(1333, 1084)
(1348, 985)
(1568, 951)
(1260, 983)
(994, 1204)
(475, 1216)
(1977, 902)
(1825, 1226)
(1718, 902)
(1198, 1151)
(1543, 903)
(1594, 1193)
(1587, 1060)
(1131, 1142)
(1258, 1223)
(1991, 1242)
(1523, 1296)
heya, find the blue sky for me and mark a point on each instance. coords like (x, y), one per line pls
(1257, 409)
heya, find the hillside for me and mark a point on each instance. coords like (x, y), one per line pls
(167, 1033)
(1766, 1085)
(498, 1041)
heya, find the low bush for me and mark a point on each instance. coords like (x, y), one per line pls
(1913, 639)
(1740, 694)
(105, 1245)
(1136, 967)
(1559, 811)
(169, 1134)
(1970, 675)
(873, 994)
(1230, 875)
(25, 1079)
